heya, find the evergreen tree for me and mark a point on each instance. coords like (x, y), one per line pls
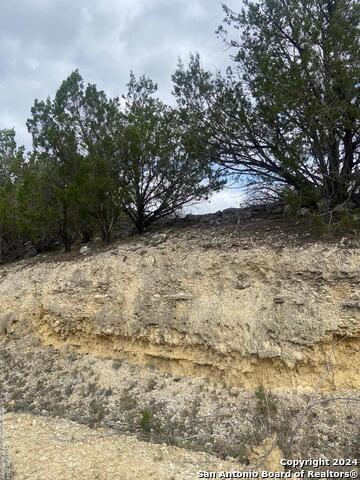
(57, 145)
(158, 169)
(36, 202)
(97, 120)
(287, 112)
(11, 162)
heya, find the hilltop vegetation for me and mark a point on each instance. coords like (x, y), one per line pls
(284, 120)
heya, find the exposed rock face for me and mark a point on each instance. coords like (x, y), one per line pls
(261, 316)
(267, 455)
(272, 319)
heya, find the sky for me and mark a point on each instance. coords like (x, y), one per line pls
(43, 41)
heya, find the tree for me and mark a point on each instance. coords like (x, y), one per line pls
(11, 162)
(76, 134)
(158, 169)
(56, 144)
(36, 203)
(26, 211)
(97, 119)
(286, 115)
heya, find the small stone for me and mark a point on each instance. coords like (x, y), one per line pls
(178, 296)
(279, 299)
(243, 282)
(351, 304)
(268, 455)
(148, 261)
(158, 238)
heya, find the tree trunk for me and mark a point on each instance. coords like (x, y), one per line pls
(140, 225)
(140, 216)
(65, 233)
(67, 243)
(106, 236)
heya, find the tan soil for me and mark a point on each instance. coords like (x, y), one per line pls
(43, 448)
(221, 335)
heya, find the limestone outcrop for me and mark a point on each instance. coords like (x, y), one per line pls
(265, 315)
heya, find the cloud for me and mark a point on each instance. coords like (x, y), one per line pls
(43, 41)
(218, 201)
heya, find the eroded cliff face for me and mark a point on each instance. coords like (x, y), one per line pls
(282, 317)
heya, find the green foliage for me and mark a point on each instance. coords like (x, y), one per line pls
(37, 214)
(349, 221)
(73, 137)
(306, 197)
(287, 111)
(159, 169)
(284, 119)
(11, 164)
(146, 421)
(56, 146)
(95, 161)
(317, 224)
(333, 222)
(266, 403)
(97, 122)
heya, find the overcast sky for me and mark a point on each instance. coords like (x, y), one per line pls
(43, 41)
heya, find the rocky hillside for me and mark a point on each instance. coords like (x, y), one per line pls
(249, 323)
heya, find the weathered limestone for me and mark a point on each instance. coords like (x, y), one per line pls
(243, 317)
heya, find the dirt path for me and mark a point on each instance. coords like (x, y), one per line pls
(42, 448)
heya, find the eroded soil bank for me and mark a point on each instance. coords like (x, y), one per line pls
(195, 338)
